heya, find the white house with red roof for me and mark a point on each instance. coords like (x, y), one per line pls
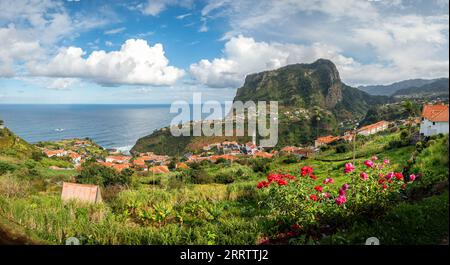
(434, 120)
(373, 128)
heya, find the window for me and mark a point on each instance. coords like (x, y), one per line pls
(434, 123)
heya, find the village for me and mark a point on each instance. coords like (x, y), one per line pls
(433, 120)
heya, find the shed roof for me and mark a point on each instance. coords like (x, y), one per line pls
(81, 192)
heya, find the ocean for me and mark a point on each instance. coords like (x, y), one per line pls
(111, 126)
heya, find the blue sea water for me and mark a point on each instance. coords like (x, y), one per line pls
(111, 126)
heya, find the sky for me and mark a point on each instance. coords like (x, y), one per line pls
(159, 51)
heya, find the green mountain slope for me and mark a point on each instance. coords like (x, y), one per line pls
(389, 90)
(11, 144)
(437, 88)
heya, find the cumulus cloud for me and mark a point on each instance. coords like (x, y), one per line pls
(31, 28)
(15, 47)
(371, 42)
(135, 63)
(243, 55)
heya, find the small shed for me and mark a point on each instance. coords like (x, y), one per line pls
(81, 192)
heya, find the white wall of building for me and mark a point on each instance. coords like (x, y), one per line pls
(427, 127)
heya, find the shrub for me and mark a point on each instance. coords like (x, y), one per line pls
(224, 178)
(6, 167)
(37, 155)
(306, 202)
(291, 159)
(342, 148)
(201, 176)
(260, 165)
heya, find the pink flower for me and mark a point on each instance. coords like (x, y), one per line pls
(318, 188)
(345, 186)
(340, 200)
(386, 161)
(328, 180)
(341, 192)
(412, 177)
(390, 175)
(374, 158)
(313, 176)
(326, 195)
(368, 163)
(313, 197)
(349, 167)
(364, 175)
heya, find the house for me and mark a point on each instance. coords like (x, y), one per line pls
(434, 120)
(348, 137)
(57, 153)
(120, 167)
(263, 154)
(81, 192)
(373, 128)
(181, 165)
(75, 157)
(325, 140)
(118, 159)
(159, 169)
(214, 158)
(289, 149)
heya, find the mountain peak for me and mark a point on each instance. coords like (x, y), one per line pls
(317, 83)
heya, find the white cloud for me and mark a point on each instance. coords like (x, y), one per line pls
(135, 63)
(114, 31)
(15, 47)
(183, 16)
(371, 42)
(108, 43)
(33, 28)
(244, 55)
(61, 83)
(154, 7)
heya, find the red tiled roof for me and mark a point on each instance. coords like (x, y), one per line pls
(263, 155)
(123, 158)
(327, 139)
(159, 169)
(82, 192)
(435, 113)
(372, 126)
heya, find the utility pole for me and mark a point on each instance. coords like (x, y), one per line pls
(354, 142)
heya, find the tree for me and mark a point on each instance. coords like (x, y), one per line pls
(93, 173)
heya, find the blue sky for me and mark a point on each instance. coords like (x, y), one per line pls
(158, 51)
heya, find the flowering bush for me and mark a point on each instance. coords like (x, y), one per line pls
(308, 203)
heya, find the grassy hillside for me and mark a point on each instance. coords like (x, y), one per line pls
(12, 145)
